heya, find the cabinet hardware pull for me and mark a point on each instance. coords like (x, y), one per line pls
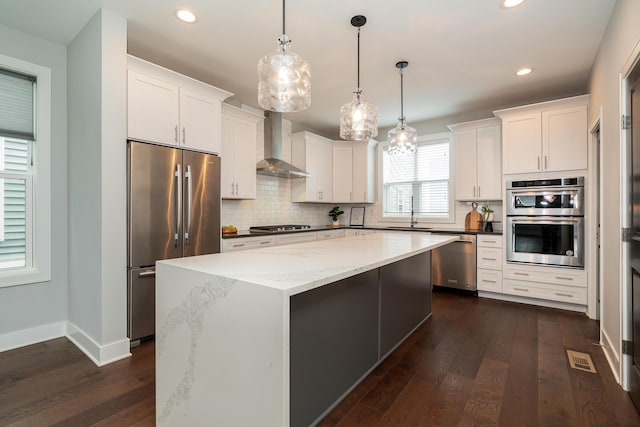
(538, 162)
(517, 273)
(265, 242)
(478, 191)
(232, 189)
(178, 203)
(545, 162)
(521, 289)
(489, 259)
(564, 278)
(564, 295)
(474, 191)
(238, 245)
(237, 191)
(184, 135)
(176, 134)
(489, 281)
(189, 181)
(490, 241)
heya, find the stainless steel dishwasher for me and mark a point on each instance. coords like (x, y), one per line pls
(454, 265)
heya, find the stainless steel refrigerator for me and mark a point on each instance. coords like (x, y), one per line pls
(173, 211)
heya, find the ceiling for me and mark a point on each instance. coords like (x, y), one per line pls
(462, 53)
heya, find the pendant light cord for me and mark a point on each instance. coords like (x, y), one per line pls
(358, 57)
(283, 32)
(401, 96)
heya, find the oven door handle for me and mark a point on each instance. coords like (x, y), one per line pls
(545, 220)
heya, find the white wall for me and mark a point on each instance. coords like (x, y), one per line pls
(623, 32)
(42, 307)
(97, 188)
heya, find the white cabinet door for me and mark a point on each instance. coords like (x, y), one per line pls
(522, 143)
(564, 139)
(200, 122)
(489, 163)
(152, 109)
(466, 161)
(245, 158)
(227, 160)
(314, 154)
(363, 173)
(342, 179)
(239, 140)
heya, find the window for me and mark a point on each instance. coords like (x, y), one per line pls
(420, 179)
(25, 203)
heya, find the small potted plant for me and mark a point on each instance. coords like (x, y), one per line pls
(487, 217)
(334, 214)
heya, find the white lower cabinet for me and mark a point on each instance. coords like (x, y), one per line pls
(490, 280)
(331, 234)
(289, 239)
(244, 243)
(549, 283)
(489, 262)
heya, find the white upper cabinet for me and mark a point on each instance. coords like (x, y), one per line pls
(547, 137)
(152, 109)
(353, 171)
(478, 159)
(313, 154)
(240, 138)
(342, 172)
(168, 108)
(363, 183)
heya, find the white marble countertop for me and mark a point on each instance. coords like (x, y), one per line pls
(300, 267)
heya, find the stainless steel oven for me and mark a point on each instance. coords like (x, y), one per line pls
(546, 240)
(545, 222)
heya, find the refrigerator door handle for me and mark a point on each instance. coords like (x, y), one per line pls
(178, 204)
(189, 180)
(147, 273)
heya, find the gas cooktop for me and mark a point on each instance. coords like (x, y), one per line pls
(277, 228)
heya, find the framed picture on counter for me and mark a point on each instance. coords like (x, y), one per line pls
(357, 216)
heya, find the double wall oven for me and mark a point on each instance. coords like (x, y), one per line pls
(545, 221)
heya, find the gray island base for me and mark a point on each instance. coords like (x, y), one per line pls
(277, 336)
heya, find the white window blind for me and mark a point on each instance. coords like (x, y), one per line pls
(423, 176)
(16, 105)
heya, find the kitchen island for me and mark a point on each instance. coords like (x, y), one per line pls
(276, 336)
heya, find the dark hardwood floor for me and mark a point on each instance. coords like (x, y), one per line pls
(475, 362)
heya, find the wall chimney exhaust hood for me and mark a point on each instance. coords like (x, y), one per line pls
(273, 165)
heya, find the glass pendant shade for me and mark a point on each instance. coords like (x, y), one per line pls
(402, 139)
(284, 80)
(358, 119)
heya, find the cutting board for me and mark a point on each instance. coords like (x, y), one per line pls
(473, 220)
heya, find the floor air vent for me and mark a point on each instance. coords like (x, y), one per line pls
(581, 361)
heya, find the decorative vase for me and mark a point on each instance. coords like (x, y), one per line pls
(336, 222)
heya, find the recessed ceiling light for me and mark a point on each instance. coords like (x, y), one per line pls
(186, 16)
(508, 4)
(524, 71)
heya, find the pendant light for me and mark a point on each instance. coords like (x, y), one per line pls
(358, 119)
(402, 138)
(284, 78)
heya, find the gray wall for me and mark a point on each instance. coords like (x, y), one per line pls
(622, 35)
(28, 306)
(97, 174)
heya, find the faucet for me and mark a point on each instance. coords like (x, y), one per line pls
(413, 220)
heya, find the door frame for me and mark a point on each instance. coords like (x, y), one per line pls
(595, 271)
(631, 66)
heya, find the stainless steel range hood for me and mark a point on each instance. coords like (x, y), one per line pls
(273, 165)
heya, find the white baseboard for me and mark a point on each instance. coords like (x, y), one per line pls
(99, 354)
(34, 335)
(611, 354)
